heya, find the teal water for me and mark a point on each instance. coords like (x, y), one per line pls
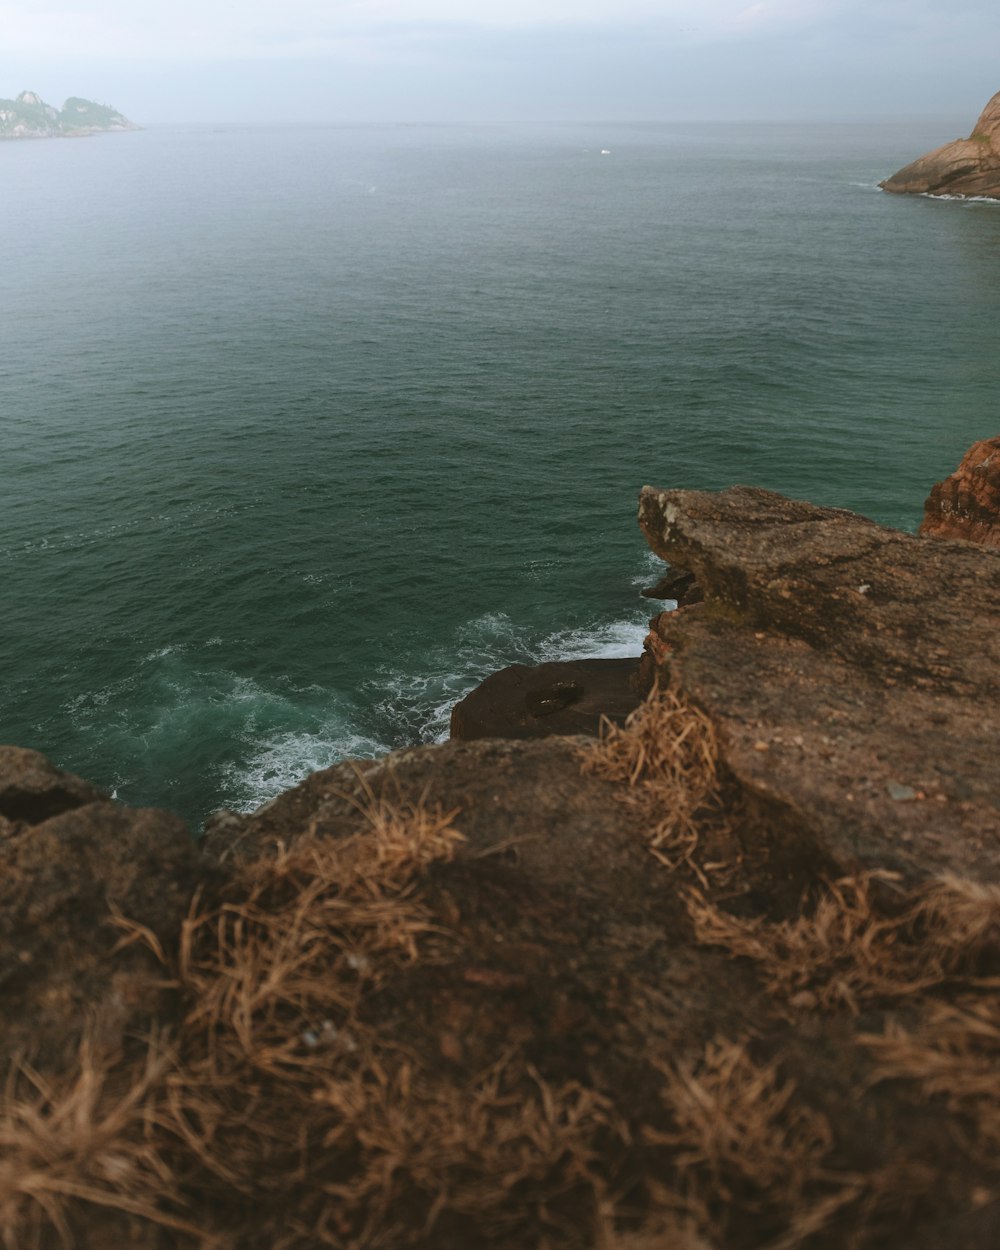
(306, 431)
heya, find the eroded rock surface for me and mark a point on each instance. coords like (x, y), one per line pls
(964, 167)
(967, 504)
(854, 673)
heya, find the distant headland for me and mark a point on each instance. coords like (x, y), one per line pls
(29, 117)
(965, 167)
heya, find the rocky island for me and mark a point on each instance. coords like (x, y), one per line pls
(29, 117)
(722, 977)
(965, 167)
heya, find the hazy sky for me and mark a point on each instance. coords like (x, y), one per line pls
(427, 60)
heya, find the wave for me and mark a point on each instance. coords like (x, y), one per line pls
(407, 706)
(283, 760)
(184, 731)
(961, 199)
(419, 703)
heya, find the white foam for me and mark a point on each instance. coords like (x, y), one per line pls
(283, 760)
(961, 199)
(423, 701)
(618, 640)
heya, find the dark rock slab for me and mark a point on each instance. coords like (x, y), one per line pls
(853, 671)
(563, 697)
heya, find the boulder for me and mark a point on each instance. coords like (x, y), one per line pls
(967, 504)
(563, 697)
(965, 167)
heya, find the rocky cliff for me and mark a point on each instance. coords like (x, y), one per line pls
(29, 117)
(967, 504)
(722, 979)
(964, 167)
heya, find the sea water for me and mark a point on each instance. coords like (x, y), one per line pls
(303, 432)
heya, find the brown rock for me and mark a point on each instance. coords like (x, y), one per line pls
(535, 1042)
(967, 504)
(62, 881)
(822, 638)
(32, 789)
(964, 167)
(564, 697)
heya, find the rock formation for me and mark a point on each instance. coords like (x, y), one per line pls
(721, 980)
(29, 117)
(964, 167)
(855, 702)
(967, 504)
(563, 697)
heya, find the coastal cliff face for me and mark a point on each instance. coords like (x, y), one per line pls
(29, 117)
(967, 504)
(967, 167)
(723, 979)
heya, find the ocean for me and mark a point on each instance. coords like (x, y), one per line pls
(304, 431)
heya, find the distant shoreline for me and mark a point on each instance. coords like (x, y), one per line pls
(29, 117)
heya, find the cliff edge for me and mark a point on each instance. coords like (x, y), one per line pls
(965, 167)
(721, 979)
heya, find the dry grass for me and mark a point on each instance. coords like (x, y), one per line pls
(503, 1151)
(744, 1143)
(667, 756)
(280, 1118)
(844, 952)
(952, 1054)
(79, 1141)
(286, 1114)
(666, 1231)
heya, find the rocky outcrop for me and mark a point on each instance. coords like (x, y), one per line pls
(563, 697)
(967, 504)
(722, 980)
(29, 117)
(71, 861)
(966, 167)
(853, 671)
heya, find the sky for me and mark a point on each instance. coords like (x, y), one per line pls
(350, 61)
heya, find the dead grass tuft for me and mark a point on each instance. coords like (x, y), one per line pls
(503, 1152)
(667, 755)
(668, 1231)
(743, 1142)
(80, 1141)
(271, 977)
(844, 952)
(956, 923)
(953, 1054)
